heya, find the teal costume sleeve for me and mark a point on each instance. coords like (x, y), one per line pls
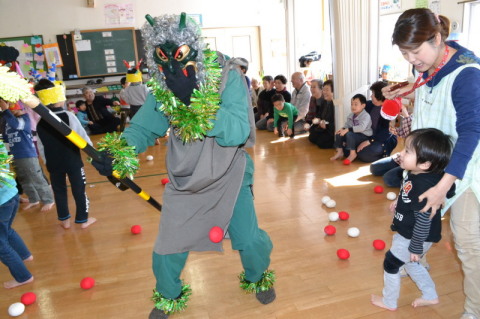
(148, 124)
(231, 126)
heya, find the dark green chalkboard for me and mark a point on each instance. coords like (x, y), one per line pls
(107, 50)
(30, 40)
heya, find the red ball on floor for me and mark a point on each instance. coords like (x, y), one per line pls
(165, 181)
(346, 161)
(379, 244)
(343, 253)
(343, 215)
(87, 283)
(136, 229)
(28, 298)
(330, 230)
(378, 189)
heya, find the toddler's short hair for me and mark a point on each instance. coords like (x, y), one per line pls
(79, 102)
(431, 145)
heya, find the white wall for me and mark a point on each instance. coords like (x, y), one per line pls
(448, 8)
(51, 17)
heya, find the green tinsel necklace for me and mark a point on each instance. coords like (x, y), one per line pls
(192, 122)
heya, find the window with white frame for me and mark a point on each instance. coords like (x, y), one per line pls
(471, 25)
(388, 54)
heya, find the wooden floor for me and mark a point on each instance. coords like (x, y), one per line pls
(291, 178)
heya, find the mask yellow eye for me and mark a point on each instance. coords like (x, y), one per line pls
(162, 56)
(182, 52)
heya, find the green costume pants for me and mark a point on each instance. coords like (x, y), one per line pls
(253, 244)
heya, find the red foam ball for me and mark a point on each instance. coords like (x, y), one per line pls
(343, 215)
(379, 244)
(378, 189)
(165, 181)
(343, 253)
(28, 298)
(136, 229)
(216, 234)
(330, 230)
(346, 161)
(87, 283)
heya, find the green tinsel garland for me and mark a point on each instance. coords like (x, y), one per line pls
(264, 284)
(5, 173)
(192, 122)
(125, 160)
(170, 306)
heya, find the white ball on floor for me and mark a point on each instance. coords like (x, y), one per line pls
(149, 158)
(333, 216)
(16, 309)
(316, 121)
(325, 199)
(391, 195)
(353, 232)
(331, 203)
(306, 126)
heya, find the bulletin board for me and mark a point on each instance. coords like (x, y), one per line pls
(101, 52)
(31, 52)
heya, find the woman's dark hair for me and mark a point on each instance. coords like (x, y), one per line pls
(281, 78)
(79, 102)
(329, 83)
(431, 145)
(415, 26)
(278, 97)
(43, 84)
(360, 97)
(376, 89)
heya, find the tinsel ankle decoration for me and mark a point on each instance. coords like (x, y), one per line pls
(169, 306)
(264, 284)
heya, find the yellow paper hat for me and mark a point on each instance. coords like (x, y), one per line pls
(52, 95)
(133, 74)
(134, 77)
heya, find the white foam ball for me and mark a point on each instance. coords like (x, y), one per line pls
(391, 195)
(149, 158)
(331, 203)
(333, 216)
(16, 309)
(353, 232)
(325, 199)
(316, 121)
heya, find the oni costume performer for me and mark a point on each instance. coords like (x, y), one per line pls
(202, 97)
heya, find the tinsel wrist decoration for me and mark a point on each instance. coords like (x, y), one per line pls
(12, 87)
(125, 161)
(170, 306)
(264, 284)
(5, 173)
(192, 122)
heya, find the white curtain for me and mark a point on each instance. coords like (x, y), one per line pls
(354, 43)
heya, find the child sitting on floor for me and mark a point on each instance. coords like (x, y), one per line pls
(357, 129)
